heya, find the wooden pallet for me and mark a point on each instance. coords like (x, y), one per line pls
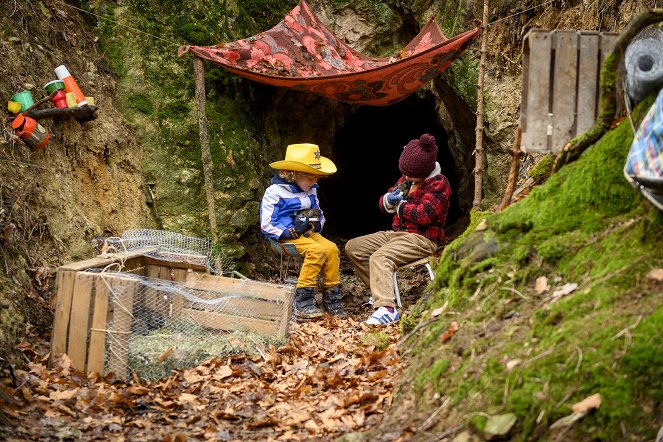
(84, 312)
(560, 85)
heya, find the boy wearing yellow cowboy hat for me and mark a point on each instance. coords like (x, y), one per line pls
(294, 188)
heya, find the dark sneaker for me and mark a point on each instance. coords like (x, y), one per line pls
(305, 306)
(331, 302)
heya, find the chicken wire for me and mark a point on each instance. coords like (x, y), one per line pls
(170, 246)
(157, 326)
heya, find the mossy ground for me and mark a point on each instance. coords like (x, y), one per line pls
(585, 225)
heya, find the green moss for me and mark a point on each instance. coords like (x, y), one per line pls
(432, 375)
(584, 225)
(379, 340)
(140, 102)
(542, 170)
(463, 75)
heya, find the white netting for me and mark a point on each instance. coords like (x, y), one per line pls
(156, 326)
(170, 246)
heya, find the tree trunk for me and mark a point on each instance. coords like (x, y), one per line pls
(479, 170)
(203, 133)
(516, 154)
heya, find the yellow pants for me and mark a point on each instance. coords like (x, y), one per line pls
(320, 256)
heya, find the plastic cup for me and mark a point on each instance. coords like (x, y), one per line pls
(14, 107)
(25, 98)
(60, 99)
(53, 86)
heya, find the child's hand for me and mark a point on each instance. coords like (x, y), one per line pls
(394, 197)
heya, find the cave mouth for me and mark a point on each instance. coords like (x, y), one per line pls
(366, 152)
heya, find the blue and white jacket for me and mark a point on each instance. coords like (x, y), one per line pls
(281, 201)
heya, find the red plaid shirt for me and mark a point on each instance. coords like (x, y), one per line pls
(424, 210)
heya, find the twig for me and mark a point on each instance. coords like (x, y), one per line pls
(432, 419)
(39, 103)
(5, 160)
(540, 355)
(449, 432)
(516, 292)
(579, 359)
(414, 330)
(627, 329)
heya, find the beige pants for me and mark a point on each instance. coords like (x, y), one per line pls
(376, 256)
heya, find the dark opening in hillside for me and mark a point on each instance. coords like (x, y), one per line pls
(366, 152)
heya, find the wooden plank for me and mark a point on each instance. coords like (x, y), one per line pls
(564, 95)
(123, 300)
(179, 275)
(221, 321)
(153, 299)
(173, 264)
(237, 305)
(104, 260)
(538, 91)
(286, 313)
(65, 289)
(588, 81)
(97, 352)
(245, 287)
(80, 317)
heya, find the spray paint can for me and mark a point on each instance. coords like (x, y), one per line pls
(70, 84)
(31, 132)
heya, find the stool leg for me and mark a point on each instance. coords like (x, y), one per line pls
(430, 271)
(397, 293)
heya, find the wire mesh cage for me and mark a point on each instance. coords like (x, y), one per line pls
(137, 311)
(170, 246)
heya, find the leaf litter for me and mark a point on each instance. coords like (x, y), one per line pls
(326, 381)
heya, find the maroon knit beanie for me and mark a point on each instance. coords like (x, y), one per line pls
(418, 157)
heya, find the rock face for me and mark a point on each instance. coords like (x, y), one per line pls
(138, 164)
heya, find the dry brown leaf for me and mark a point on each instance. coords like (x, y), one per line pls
(138, 390)
(655, 275)
(566, 289)
(165, 355)
(453, 328)
(63, 395)
(541, 285)
(588, 404)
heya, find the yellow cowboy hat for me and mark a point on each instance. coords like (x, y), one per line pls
(305, 157)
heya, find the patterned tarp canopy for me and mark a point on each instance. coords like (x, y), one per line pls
(301, 53)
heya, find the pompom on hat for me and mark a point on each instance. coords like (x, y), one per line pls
(305, 157)
(419, 157)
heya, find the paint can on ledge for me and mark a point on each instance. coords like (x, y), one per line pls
(31, 132)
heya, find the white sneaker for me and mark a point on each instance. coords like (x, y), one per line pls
(383, 316)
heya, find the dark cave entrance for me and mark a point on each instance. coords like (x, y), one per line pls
(366, 151)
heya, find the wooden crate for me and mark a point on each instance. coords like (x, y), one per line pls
(84, 311)
(560, 85)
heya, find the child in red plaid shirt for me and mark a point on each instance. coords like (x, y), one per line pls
(419, 202)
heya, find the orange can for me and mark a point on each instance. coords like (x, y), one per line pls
(31, 132)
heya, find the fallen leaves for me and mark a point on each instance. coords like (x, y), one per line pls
(323, 383)
(448, 334)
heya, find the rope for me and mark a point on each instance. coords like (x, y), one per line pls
(518, 13)
(118, 23)
(179, 44)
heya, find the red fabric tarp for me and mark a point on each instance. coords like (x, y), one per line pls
(301, 53)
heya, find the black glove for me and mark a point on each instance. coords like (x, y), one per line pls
(300, 224)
